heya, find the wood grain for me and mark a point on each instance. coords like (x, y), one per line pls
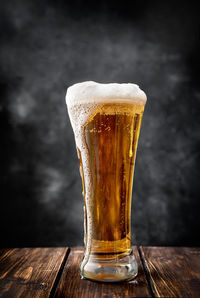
(71, 285)
(29, 272)
(173, 271)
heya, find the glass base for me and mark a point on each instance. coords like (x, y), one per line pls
(109, 270)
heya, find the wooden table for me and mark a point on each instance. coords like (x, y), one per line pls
(54, 272)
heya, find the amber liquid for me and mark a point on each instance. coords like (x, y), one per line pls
(111, 137)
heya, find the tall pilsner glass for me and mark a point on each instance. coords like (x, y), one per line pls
(106, 121)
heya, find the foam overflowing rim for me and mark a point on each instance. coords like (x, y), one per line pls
(94, 93)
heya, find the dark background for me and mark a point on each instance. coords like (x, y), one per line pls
(48, 45)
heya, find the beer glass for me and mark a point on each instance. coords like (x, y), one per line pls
(106, 120)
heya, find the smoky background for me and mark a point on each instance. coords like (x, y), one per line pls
(48, 45)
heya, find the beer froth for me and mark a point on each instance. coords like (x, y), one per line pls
(92, 92)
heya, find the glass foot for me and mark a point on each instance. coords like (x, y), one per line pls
(109, 270)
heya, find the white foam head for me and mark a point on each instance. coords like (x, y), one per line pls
(94, 93)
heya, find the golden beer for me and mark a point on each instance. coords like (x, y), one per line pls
(106, 136)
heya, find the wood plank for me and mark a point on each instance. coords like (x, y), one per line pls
(173, 271)
(71, 285)
(30, 272)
